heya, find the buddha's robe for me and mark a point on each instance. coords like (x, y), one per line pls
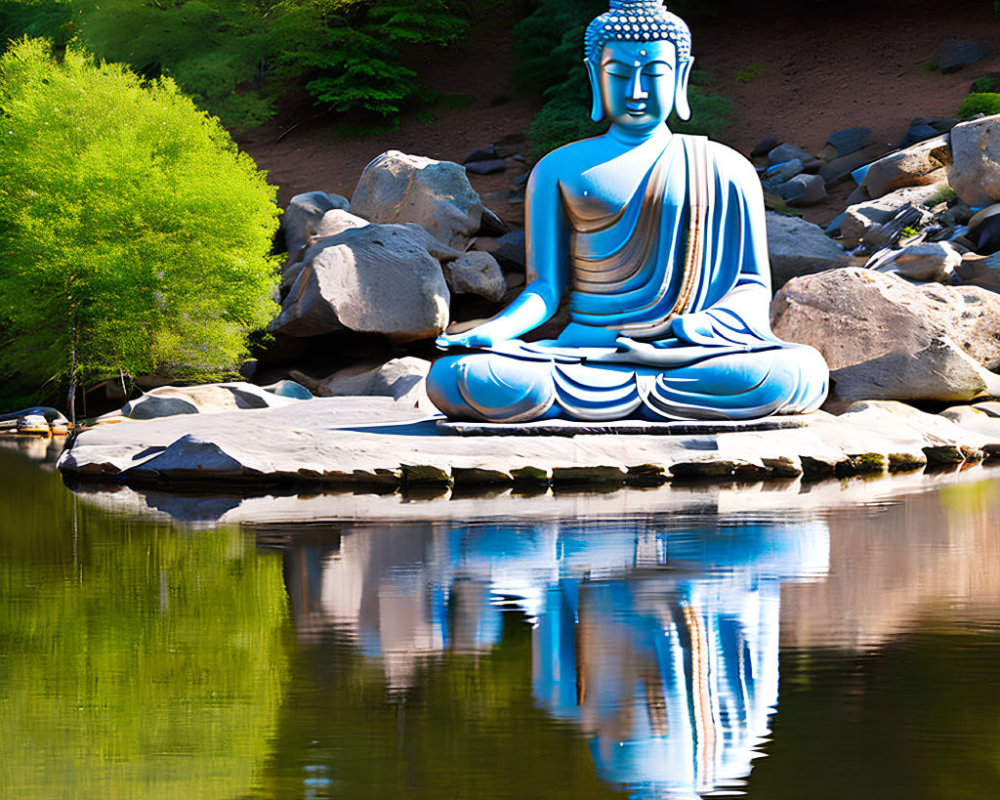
(680, 273)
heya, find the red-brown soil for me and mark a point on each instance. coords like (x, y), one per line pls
(820, 66)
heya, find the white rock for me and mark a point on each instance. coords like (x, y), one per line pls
(975, 173)
(437, 195)
(402, 379)
(210, 398)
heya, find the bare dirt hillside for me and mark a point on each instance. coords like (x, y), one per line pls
(797, 71)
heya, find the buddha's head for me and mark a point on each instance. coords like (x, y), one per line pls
(638, 58)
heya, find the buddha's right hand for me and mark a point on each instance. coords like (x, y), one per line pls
(473, 338)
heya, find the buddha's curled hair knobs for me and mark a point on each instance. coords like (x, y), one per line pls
(637, 21)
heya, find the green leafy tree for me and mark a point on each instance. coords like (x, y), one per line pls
(135, 236)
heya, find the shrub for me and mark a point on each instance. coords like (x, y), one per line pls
(135, 236)
(235, 57)
(980, 103)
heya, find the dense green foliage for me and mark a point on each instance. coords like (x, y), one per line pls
(549, 44)
(980, 103)
(135, 237)
(236, 56)
(139, 660)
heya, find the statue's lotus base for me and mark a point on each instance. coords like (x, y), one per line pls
(621, 427)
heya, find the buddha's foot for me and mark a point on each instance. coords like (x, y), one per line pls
(788, 379)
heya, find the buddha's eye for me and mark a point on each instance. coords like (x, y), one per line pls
(656, 69)
(618, 69)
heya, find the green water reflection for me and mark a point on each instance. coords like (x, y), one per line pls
(145, 658)
(136, 659)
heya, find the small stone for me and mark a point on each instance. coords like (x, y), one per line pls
(486, 167)
(764, 146)
(846, 141)
(953, 55)
(803, 190)
(483, 154)
(512, 249)
(861, 217)
(492, 225)
(918, 133)
(476, 272)
(841, 168)
(774, 176)
(786, 152)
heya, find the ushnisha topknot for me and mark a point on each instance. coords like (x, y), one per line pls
(637, 21)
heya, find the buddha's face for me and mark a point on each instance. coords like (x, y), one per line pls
(638, 83)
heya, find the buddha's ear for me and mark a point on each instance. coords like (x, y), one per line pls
(681, 104)
(597, 106)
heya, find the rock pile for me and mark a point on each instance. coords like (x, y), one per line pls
(388, 262)
(911, 309)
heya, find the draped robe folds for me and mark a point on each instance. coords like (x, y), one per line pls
(680, 274)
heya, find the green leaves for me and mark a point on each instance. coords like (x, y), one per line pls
(135, 233)
(235, 57)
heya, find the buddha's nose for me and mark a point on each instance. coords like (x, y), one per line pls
(636, 92)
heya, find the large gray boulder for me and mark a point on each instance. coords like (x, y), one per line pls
(975, 173)
(797, 247)
(398, 188)
(376, 279)
(919, 165)
(887, 339)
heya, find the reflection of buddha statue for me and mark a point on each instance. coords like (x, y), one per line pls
(660, 240)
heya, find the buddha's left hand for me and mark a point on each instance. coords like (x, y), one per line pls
(471, 338)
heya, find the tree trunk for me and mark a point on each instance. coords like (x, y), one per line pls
(72, 380)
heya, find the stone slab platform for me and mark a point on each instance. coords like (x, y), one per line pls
(374, 442)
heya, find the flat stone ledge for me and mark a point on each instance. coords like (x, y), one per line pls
(351, 443)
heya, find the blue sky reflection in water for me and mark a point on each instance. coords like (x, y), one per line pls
(650, 656)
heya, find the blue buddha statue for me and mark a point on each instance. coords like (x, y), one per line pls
(660, 241)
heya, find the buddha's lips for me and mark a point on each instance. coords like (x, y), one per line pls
(635, 109)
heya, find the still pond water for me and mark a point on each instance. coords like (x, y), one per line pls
(846, 652)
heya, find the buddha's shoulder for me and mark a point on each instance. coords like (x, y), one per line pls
(727, 160)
